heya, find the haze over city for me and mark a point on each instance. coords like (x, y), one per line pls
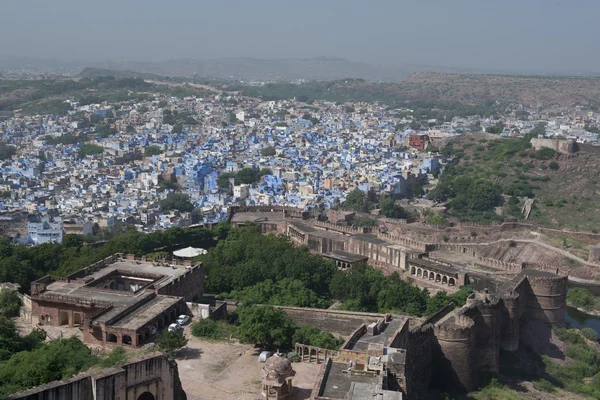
(535, 36)
(316, 200)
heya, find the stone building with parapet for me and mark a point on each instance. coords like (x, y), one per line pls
(121, 300)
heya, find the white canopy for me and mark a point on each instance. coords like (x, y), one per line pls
(189, 252)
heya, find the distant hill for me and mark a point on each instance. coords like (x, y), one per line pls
(530, 90)
(90, 72)
(446, 89)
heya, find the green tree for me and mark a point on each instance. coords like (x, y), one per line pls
(356, 201)
(265, 326)
(177, 128)
(7, 151)
(152, 151)
(389, 208)
(177, 201)
(90, 149)
(312, 336)
(223, 179)
(268, 151)
(171, 341)
(9, 303)
(364, 222)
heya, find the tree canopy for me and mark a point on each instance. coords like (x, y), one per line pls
(89, 149)
(265, 326)
(389, 208)
(152, 151)
(177, 201)
(268, 151)
(171, 341)
(356, 201)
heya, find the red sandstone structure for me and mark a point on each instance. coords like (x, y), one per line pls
(121, 300)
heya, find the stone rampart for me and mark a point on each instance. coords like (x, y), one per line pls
(419, 356)
(546, 299)
(337, 228)
(454, 357)
(341, 322)
(558, 145)
(409, 243)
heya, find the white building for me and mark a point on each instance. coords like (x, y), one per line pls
(44, 229)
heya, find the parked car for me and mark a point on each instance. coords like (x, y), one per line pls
(183, 319)
(174, 327)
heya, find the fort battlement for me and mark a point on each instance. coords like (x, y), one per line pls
(338, 228)
(457, 327)
(410, 243)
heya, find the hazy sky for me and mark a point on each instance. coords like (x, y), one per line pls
(508, 34)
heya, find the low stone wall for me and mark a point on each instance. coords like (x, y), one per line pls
(340, 322)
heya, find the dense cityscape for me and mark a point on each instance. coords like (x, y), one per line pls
(299, 201)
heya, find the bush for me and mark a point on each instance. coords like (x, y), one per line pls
(581, 298)
(293, 356)
(474, 234)
(544, 386)
(9, 303)
(590, 334)
(554, 166)
(312, 336)
(545, 153)
(211, 329)
(569, 336)
(206, 328)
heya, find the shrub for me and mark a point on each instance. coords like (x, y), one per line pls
(569, 336)
(293, 356)
(206, 328)
(554, 166)
(544, 386)
(590, 334)
(474, 234)
(545, 153)
(445, 238)
(581, 298)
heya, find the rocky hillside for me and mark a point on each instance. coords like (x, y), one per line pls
(530, 90)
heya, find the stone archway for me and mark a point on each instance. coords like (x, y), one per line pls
(444, 280)
(111, 337)
(146, 396)
(77, 319)
(413, 270)
(451, 282)
(438, 277)
(126, 339)
(63, 318)
(419, 272)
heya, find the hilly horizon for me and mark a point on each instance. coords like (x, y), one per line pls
(248, 68)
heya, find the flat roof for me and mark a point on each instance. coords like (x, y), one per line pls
(86, 291)
(434, 266)
(141, 316)
(368, 237)
(389, 328)
(345, 256)
(362, 391)
(338, 382)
